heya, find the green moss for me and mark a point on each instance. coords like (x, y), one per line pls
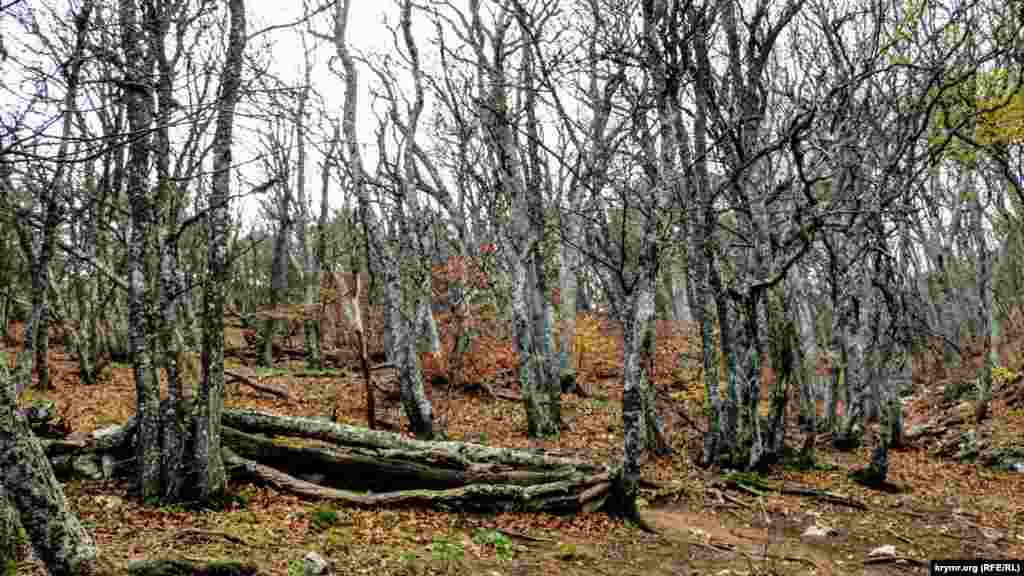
(324, 518)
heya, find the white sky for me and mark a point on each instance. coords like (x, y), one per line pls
(366, 34)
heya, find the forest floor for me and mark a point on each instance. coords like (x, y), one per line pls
(936, 508)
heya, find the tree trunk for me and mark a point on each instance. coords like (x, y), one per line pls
(278, 276)
(538, 419)
(635, 326)
(783, 346)
(209, 467)
(988, 323)
(657, 441)
(57, 536)
(806, 371)
(139, 106)
(310, 261)
(568, 269)
(10, 531)
(855, 371)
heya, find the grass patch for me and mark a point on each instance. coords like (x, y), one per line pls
(323, 519)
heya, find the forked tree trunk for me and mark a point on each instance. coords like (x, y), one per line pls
(635, 327)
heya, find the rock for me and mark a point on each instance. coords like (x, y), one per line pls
(314, 565)
(112, 436)
(87, 467)
(887, 550)
(964, 447)
(39, 412)
(108, 502)
(969, 447)
(108, 464)
(991, 534)
(1006, 458)
(924, 429)
(815, 531)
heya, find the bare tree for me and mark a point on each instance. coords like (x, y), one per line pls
(209, 467)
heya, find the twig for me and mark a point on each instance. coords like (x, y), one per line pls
(734, 499)
(521, 536)
(797, 490)
(830, 497)
(501, 394)
(681, 412)
(887, 559)
(747, 489)
(252, 383)
(768, 555)
(899, 537)
(211, 533)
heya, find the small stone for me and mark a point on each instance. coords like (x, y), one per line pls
(991, 534)
(700, 533)
(887, 550)
(815, 531)
(108, 502)
(108, 463)
(314, 565)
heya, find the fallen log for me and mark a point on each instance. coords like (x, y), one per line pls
(370, 467)
(555, 497)
(395, 445)
(253, 383)
(759, 488)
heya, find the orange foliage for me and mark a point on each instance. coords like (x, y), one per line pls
(490, 353)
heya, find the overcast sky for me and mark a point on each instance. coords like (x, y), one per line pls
(366, 34)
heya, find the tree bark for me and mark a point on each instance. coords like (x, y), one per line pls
(57, 536)
(209, 466)
(139, 109)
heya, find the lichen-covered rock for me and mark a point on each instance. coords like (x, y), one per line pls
(314, 564)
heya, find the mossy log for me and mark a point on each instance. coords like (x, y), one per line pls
(319, 459)
(370, 467)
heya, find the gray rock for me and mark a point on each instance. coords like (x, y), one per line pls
(991, 534)
(41, 411)
(887, 550)
(923, 429)
(108, 464)
(816, 531)
(87, 467)
(108, 502)
(314, 565)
